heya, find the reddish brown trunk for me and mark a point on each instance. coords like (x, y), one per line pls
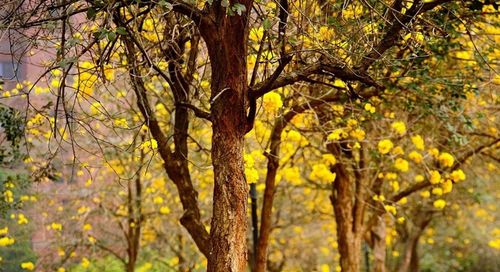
(226, 44)
(342, 198)
(267, 206)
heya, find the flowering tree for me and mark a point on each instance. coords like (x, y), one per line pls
(347, 91)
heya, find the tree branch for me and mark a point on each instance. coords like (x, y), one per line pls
(322, 67)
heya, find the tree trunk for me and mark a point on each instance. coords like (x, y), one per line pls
(379, 245)
(341, 198)
(410, 261)
(227, 48)
(267, 206)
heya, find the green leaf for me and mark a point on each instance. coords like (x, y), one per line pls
(111, 36)
(121, 30)
(266, 24)
(239, 8)
(91, 13)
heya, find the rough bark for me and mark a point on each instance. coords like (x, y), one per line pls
(341, 198)
(226, 42)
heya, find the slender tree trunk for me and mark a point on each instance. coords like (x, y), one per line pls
(411, 247)
(379, 245)
(267, 206)
(410, 261)
(227, 48)
(135, 217)
(342, 195)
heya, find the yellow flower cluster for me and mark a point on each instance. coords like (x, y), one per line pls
(435, 177)
(385, 146)
(28, 266)
(251, 174)
(390, 209)
(329, 158)
(56, 226)
(322, 173)
(457, 175)
(418, 141)
(21, 219)
(8, 196)
(447, 186)
(401, 165)
(272, 102)
(358, 134)
(439, 204)
(336, 135)
(416, 157)
(369, 108)
(399, 127)
(6, 241)
(446, 159)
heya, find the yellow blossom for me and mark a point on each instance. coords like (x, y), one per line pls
(83, 209)
(329, 158)
(425, 194)
(390, 209)
(85, 262)
(336, 135)
(419, 178)
(384, 146)
(437, 191)
(457, 175)
(494, 243)
(56, 226)
(28, 266)
(272, 101)
(322, 173)
(339, 84)
(398, 150)
(251, 174)
(21, 219)
(439, 204)
(434, 152)
(399, 127)
(435, 177)
(358, 134)
(446, 159)
(121, 123)
(339, 109)
(6, 241)
(416, 157)
(369, 108)
(418, 141)
(395, 185)
(401, 165)
(158, 200)
(164, 210)
(447, 186)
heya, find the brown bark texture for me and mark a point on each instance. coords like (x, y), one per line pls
(226, 42)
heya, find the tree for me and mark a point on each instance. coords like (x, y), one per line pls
(358, 52)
